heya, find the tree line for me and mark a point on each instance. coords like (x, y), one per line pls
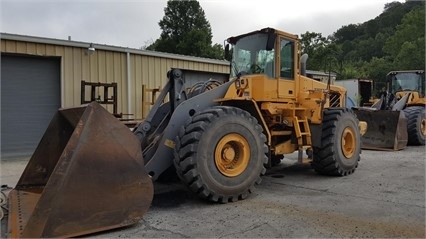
(394, 40)
(186, 31)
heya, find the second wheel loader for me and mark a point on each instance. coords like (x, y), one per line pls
(89, 173)
(398, 118)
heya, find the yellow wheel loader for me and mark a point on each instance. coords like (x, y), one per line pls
(398, 118)
(411, 84)
(90, 173)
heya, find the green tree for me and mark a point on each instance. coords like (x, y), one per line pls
(377, 68)
(391, 41)
(186, 31)
(348, 71)
(315, 45)
(407, 46)
(347, 33)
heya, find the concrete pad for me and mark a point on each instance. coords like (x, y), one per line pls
(385, 197)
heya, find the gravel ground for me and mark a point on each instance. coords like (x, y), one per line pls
(385, 197)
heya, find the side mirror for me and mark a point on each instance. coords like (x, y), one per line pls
(227, 53)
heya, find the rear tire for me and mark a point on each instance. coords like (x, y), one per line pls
(416, 125)
(220, 154)
(340, 148)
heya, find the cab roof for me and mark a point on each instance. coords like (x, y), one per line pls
(267, 30)
(406, 71)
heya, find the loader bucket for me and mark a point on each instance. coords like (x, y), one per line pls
(86, 175)
(386, 129)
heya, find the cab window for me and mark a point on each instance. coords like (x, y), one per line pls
(287, 58)
(251, 56)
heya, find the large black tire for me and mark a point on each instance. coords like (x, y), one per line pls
(340, 148)
(416, 125)
(220, 154)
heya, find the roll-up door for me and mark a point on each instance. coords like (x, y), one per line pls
(30, 95)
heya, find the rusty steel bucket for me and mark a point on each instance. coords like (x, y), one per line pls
(86, 175)
(386, 129)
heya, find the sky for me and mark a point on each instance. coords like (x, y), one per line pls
(134, 23)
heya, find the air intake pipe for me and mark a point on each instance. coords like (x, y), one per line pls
(303, 60)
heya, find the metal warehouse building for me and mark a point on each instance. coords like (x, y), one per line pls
(39, 75)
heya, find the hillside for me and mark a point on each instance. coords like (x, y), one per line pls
(394, 40)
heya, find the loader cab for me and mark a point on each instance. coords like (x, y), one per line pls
(269, 58)
(403, 81)
(267, 51)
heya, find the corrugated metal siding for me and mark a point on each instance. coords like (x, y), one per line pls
(108, 66)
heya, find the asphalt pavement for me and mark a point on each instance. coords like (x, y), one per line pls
(385, 197)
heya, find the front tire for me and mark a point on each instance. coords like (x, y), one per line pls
(220, 154)
(340, 148)
(416, 124)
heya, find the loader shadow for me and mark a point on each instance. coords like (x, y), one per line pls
(171, 195)
(284, 169)
(174, 194)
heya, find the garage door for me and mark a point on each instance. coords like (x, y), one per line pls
(30, 95)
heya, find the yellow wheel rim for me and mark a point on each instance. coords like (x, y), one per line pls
(232, 155)
(423, 126)
(348, 142)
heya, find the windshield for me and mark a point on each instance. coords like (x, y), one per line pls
(408, 81)
(249, 55)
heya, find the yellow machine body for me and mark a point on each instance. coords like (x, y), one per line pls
(285, 101)
(285, 96)
(90, 173)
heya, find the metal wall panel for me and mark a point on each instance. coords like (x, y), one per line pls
(106, 65)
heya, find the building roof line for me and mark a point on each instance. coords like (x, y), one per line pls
(71, 43)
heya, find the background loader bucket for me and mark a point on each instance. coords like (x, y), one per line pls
(86, 175)
(386, 129)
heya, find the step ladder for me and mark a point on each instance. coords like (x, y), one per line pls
(303, 134)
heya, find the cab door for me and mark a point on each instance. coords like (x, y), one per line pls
(286, 68)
